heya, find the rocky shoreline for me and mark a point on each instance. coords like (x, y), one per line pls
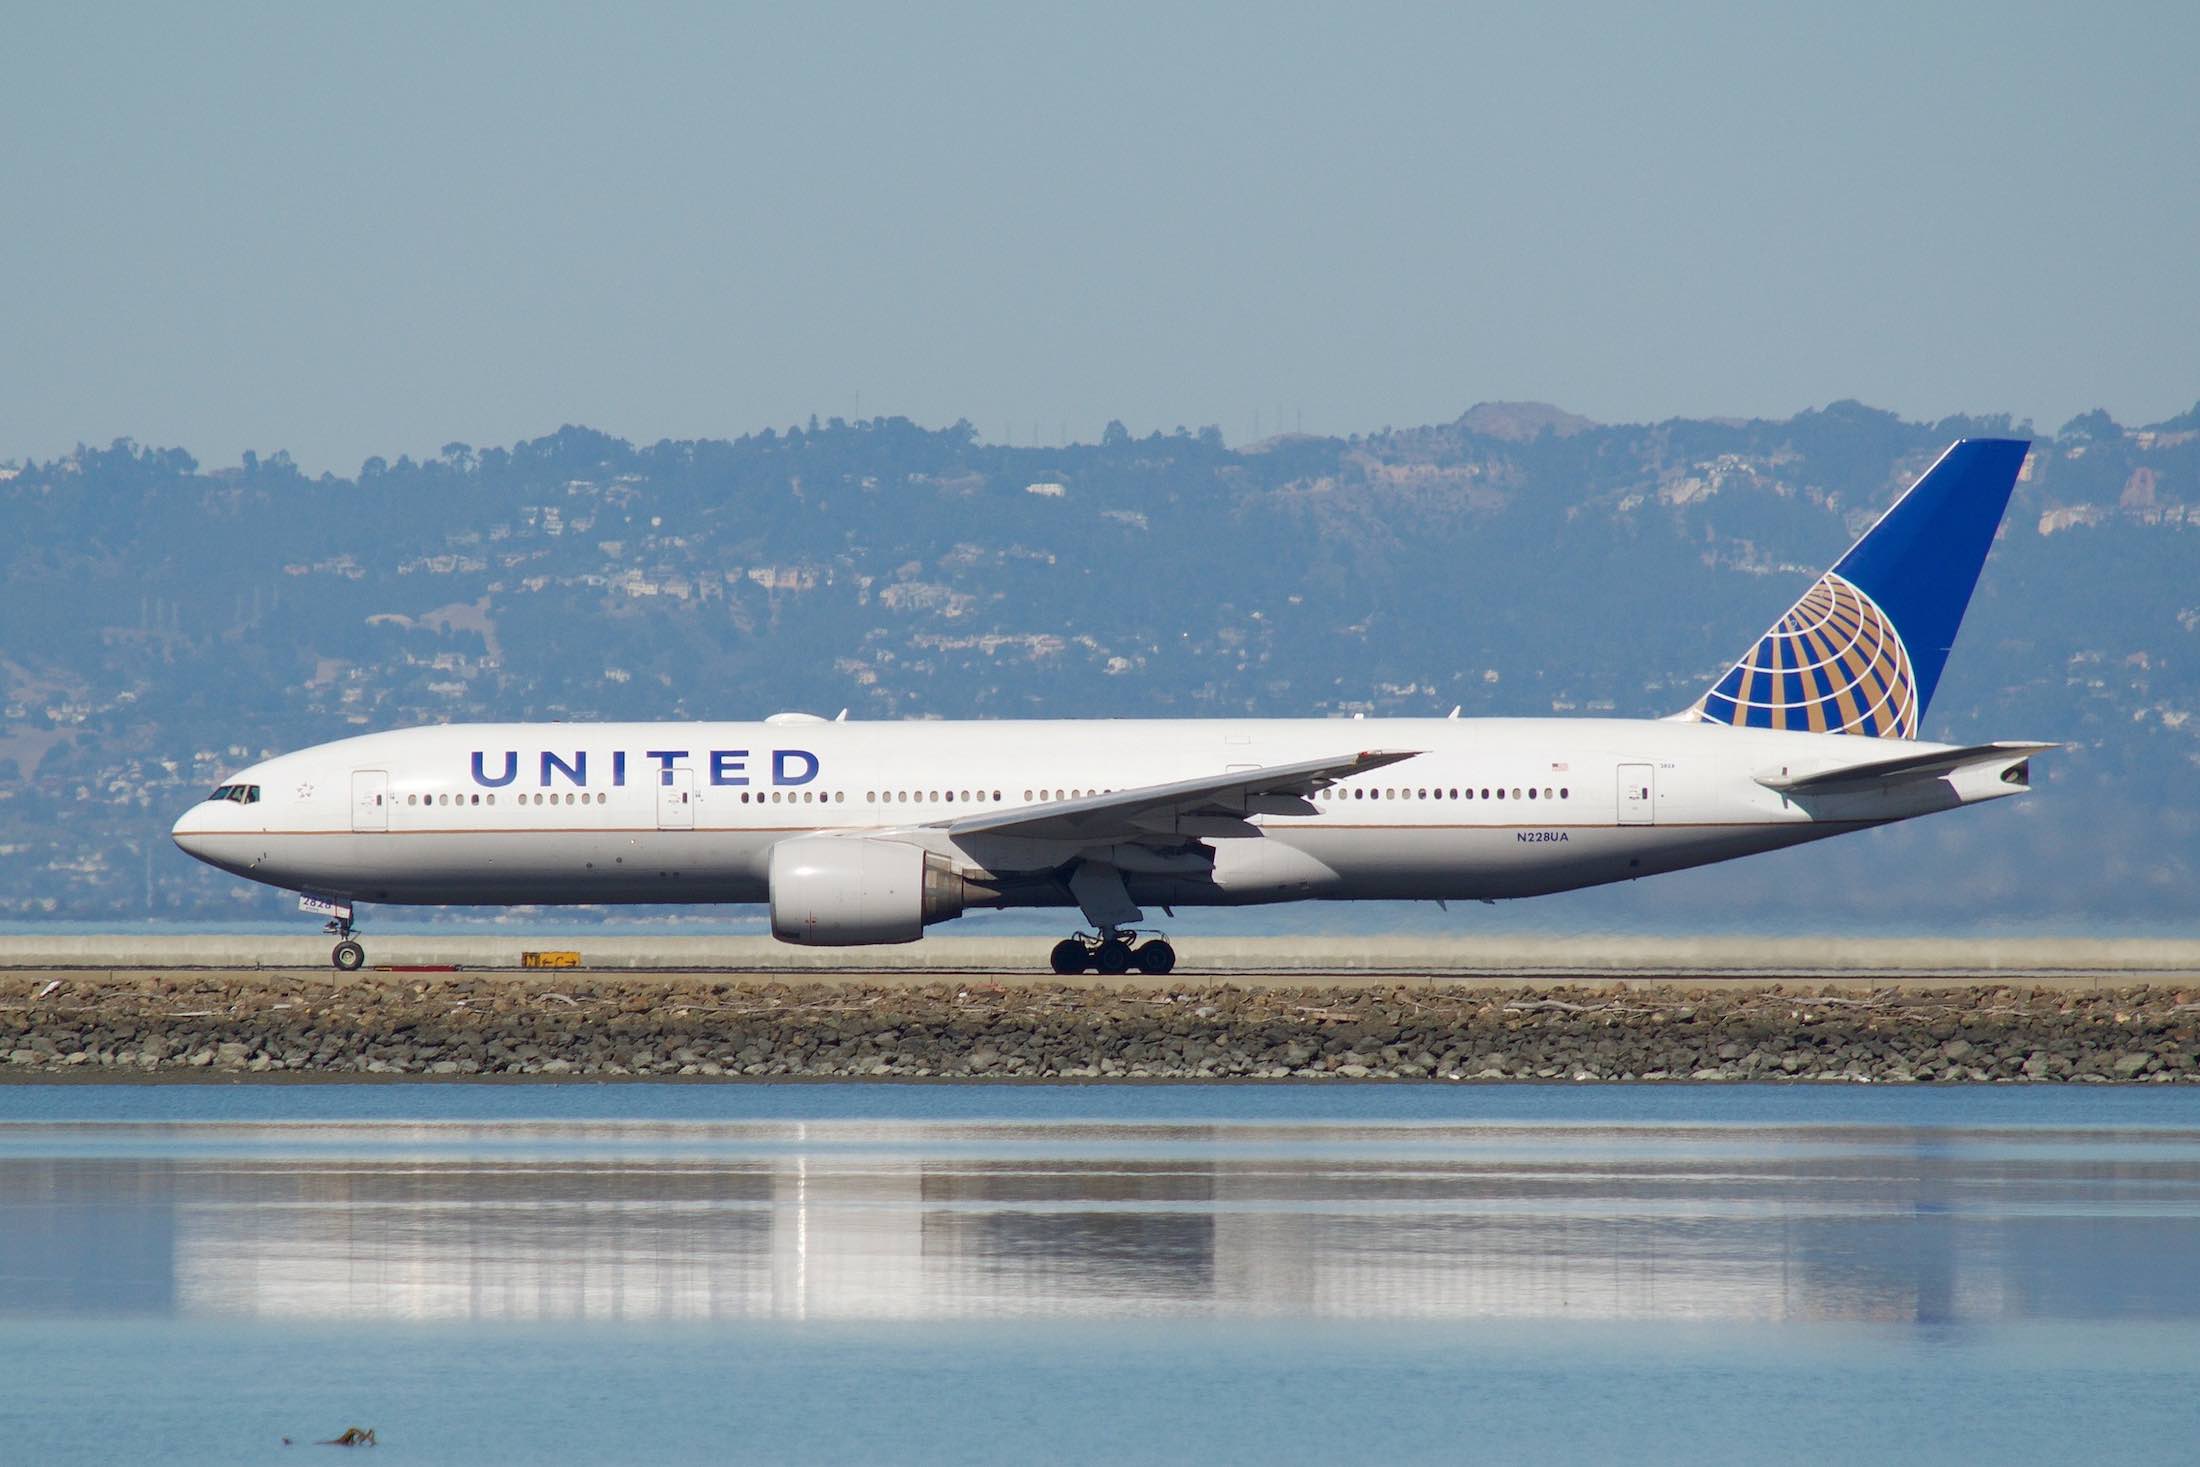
(462, 1025)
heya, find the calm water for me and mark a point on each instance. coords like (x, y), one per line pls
(1098, 1273)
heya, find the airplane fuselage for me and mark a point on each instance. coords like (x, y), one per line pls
(632, 813)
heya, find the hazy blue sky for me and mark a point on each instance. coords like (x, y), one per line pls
(377, 228)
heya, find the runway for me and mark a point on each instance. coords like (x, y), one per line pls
(1328, 961)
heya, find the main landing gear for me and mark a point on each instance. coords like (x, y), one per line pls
(1112, 952)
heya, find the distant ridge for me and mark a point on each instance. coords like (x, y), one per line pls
(901, 571)
(1522, 422)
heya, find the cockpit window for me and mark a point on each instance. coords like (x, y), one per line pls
(243, 794)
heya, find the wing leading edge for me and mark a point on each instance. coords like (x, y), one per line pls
(1154, 808)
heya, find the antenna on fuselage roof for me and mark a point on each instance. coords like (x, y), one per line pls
(1454, 710)
(841, 716)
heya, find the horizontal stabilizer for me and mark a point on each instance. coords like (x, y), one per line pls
(1886, 773)
(1119, 813)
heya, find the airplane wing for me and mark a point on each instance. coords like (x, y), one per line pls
(1886, 773)
(1155, 808)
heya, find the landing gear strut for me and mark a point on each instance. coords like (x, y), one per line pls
(347, 954)
(1112, 951)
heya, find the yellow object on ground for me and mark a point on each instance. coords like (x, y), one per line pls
(550, 960)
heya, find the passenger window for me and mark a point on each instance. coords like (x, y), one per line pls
(1501, 794)
(1565, 793)
(1516, 793)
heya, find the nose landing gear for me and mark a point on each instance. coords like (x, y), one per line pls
(1112, 952)
(347, 954)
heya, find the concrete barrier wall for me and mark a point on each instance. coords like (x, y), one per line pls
(1616, 956)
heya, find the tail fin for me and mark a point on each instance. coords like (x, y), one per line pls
(1862, 651)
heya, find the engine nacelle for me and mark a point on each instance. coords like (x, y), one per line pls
(849, 891)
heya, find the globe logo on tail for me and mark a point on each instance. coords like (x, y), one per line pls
(1833, 664)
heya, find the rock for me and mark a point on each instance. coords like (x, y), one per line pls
(791, 1025)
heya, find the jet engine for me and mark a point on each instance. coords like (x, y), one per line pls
(849, 891)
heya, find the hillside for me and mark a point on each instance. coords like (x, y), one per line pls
(162, 622)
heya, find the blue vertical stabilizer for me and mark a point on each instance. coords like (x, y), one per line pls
(1862, 652)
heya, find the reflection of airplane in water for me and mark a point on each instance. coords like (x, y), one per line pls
(1434, 1222)
(855, 834)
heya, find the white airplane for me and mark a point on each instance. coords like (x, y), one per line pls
(856, 834)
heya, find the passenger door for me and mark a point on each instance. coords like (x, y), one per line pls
(370, 799)
(1638, 794)
(676, 801)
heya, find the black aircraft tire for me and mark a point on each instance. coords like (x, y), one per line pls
(1113, 958)
(1155, 957)
(348, 955)
(1069, 956)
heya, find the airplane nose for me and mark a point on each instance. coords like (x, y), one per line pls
(189, 833)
